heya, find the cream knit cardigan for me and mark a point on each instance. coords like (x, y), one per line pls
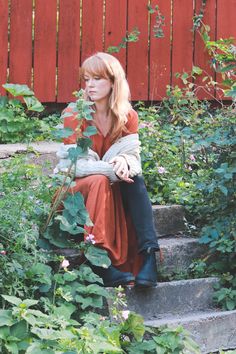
(127, 147)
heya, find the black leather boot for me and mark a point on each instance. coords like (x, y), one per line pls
(147, 277)
(113, 277)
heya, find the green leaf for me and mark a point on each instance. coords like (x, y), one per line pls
(4, 332)
(6, 318)
(36, 313)
(227, 68)
(33, 104)
(70, 276)
(196, 70)
(184, 78)
(102, 346)
(66, 115)
(97, 256)
(51, 334)
(113, 49)
(62, 133)
(41, 273)
(3, 101)
(18, 90)
(223, 189)
(73, 229)
(230, 304)
(86, 274)
(74, 153)
(12, 299)
(66, 310)
(88, 301)
(19, 330)
(85, 143)
(231, 92)
(29, 302)
(36, 348)
(12, 348)
(74, 202)
(93, 289)
(142, 347)
(134, 324)
(90, 130)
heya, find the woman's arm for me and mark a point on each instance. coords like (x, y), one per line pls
(127, 147)
(85, 166)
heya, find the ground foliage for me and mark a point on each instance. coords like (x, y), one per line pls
(47, 304)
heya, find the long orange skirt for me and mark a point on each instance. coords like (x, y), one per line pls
(112, 229)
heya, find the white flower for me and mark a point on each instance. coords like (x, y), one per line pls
(125, 314)
(65, 263)
(90, 239)
(192, 157)
(161, 170)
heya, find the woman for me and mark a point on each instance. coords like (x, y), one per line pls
(110, 177)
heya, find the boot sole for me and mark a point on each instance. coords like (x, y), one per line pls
(119, 282)
(145, 284)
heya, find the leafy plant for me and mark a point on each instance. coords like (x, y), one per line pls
(17, 122)
(131, 36)
(223, 59)
(189, 158)
(159, 21)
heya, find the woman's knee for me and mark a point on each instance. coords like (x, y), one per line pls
(98, 180)
(138, 186)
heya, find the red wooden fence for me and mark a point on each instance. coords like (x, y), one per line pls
(42, 43)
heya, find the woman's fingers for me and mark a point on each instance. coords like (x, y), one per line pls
(118, 167)
(121, 169)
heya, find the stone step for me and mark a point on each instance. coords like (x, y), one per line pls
(168, 219)
(175, 297)
(178, 254)
(40, 153)
(212, 330)
(41, 147)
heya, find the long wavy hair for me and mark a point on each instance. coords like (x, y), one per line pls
(106, 66)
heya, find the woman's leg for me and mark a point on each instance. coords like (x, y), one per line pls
(105, 208)
(135, 198)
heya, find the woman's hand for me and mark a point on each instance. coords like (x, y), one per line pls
(121, 169)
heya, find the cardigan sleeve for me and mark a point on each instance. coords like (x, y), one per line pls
(85, 166)
(91, 164)
(129, 148)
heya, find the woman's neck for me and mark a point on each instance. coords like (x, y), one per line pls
(102, 108)
(102, 119)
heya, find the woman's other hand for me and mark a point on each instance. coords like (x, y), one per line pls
(121, 168)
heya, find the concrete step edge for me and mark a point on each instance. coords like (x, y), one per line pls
(177, 297)
(213, 330)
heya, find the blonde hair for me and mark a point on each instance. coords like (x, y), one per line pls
(107, 66)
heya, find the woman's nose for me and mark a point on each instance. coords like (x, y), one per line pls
(90, 82)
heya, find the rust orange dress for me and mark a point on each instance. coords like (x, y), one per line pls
(112, 229)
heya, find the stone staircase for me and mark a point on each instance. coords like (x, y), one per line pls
(172, 303)
(184, 302)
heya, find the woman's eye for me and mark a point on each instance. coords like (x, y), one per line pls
(97, 78)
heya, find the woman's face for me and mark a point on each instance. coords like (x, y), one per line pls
(97, 88)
